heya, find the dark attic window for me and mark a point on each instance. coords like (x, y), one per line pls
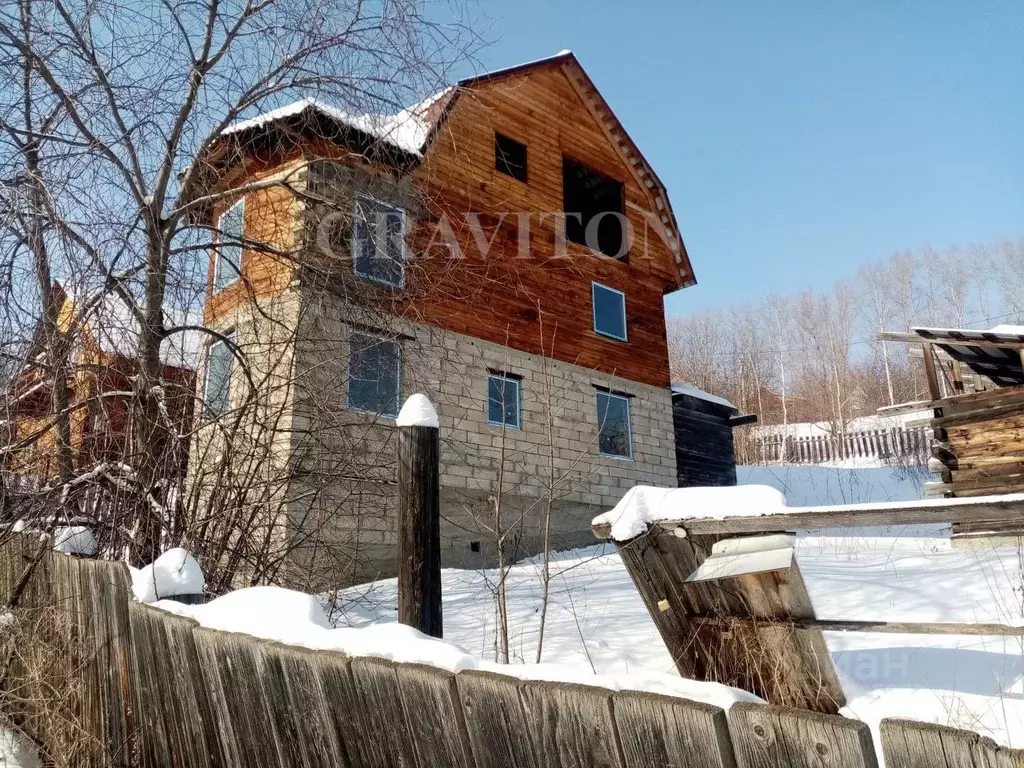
(589, 196)
(510, 157)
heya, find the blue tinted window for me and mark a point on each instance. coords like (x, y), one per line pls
(378, 242)
(614, 438)
(503, 401)
(217, 388)
(374, 374)
(609, 312)
(227, 265)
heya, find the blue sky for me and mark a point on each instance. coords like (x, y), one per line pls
(800, 139)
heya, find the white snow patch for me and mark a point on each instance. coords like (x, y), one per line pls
(1017, 330)
(646, 504)
(75, 540)
(175, 572)
(408, 129)
(16, 751)
(417, 411)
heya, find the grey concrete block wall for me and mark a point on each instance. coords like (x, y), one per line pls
(477, 458)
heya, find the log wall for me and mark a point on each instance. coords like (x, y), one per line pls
(151, 689)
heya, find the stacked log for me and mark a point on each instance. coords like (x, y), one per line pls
(979, 450)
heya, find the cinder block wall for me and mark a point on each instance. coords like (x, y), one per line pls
(357, 516)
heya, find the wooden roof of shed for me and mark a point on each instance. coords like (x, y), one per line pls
(992, 353)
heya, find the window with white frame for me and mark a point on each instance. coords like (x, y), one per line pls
(615, 437)
(227, 265)
(374, 374)
(609, 312)
(503, 405)
(378, 242)
(217, 387)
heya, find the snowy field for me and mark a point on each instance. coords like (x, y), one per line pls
(597, 622)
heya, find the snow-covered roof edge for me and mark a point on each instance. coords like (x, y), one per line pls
(685, 388)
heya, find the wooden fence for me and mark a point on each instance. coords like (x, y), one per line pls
(904, 446)
(154, 689)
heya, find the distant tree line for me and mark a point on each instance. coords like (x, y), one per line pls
(815, 355)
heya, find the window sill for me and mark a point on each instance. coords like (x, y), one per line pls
(497, 425)
(375, 414)
(617, 458)
(610, 337)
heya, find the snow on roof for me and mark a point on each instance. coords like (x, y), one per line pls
(407, 130)
(116, 329)
(683, 388)
(1012, 332)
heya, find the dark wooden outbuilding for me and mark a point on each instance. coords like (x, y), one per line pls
(704, 445)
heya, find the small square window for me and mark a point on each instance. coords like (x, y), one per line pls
(614, 432)
(609, 312)
(374, 374)
(217, 387)
(378, 242)
(227, 264)
(510, 157)
(503, 401)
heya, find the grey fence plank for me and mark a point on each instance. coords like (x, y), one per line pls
(308, 704)
(192, 730)
(571, 725)
(386, 736)
(766, 736)
(344, 705)
(435, 717)
(495, 720)
(907, 744)
(246, 732)
(665, 732)
(150, 716)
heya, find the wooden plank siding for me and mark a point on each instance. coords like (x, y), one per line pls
(543, 110)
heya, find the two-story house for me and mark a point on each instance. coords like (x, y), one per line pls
(503, 248)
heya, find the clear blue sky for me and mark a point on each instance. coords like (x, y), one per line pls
(800, 139)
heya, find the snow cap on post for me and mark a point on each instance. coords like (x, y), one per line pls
(417, 411)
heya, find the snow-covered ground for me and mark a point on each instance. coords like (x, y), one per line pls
(16, 751)
(596, 620)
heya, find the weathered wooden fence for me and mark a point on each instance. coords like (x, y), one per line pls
(910, 446)
(154, 689)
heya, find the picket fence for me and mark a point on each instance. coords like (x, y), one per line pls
(890, 446)
(153, 689)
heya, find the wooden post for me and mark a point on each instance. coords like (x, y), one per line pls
(929, 372)
(419, 517)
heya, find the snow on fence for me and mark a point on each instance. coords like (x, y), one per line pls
(154, 689)
(893, 445)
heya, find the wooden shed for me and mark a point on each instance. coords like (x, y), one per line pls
(976, 395)
(703, 430)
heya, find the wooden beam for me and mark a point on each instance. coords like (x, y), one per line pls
(989, 396)
(929, 372)
(1008, 507)
(879, 627)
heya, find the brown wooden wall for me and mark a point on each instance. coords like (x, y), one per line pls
(499, 298)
